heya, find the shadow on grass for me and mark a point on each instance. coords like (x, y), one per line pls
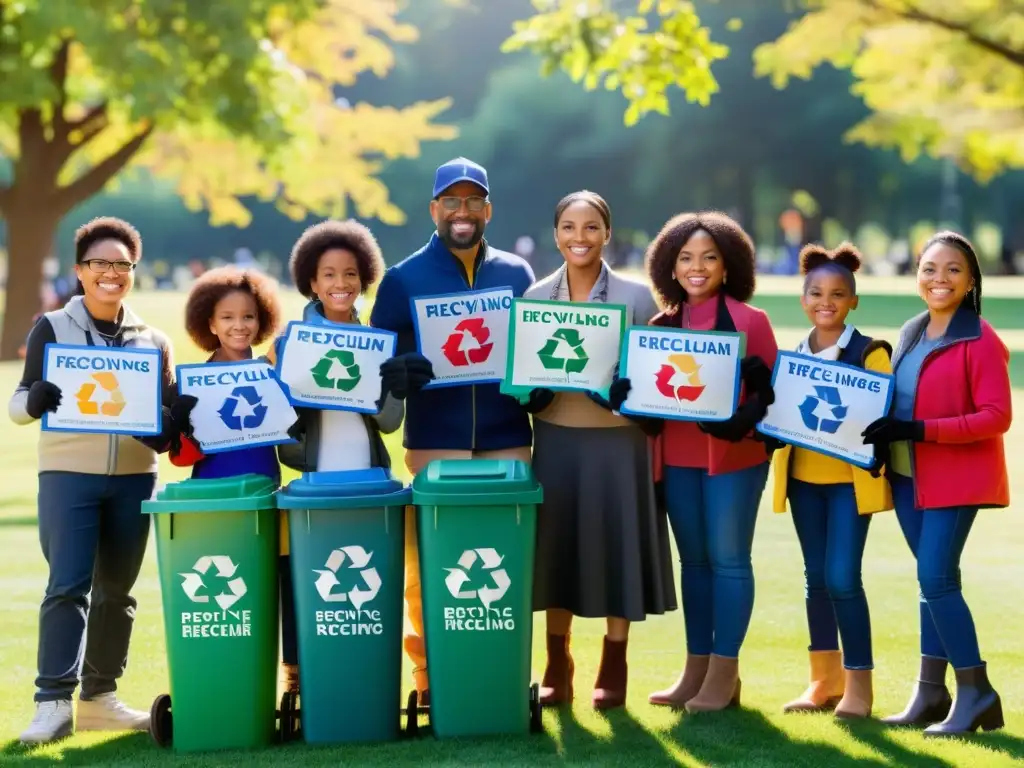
(128, 748)
(879, 736)
(742, 736)
(627, 739)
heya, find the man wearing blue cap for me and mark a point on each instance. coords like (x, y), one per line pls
(456, 422)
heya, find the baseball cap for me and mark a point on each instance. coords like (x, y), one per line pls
(460, 169)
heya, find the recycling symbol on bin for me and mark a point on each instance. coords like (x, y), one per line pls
(489, 561)
(224, 569)
(357, 558)
(337, 361)
(243, 408)
(468, 343)
(564, 351)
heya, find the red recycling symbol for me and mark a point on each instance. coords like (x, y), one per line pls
(460, 348)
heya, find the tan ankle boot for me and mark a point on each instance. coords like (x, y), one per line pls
(290, 677)
(556, 687)
(826, 688)
(859, 696)
(610, 687)
(686, 687)
(721, 687)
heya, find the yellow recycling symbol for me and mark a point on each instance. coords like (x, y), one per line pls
(686, 364)
(113, 405)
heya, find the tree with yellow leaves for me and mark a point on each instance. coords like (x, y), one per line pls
(231, 99)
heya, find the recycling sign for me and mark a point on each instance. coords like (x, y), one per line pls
(824, 406)
(563, 346)
(334, 366)
(214, 587)
(239, 405)
(337, 369)
(346, 584)
(478, 582)
(464, 335)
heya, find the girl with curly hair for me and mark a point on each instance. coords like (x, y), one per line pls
(947, 460)
(832, 501)
(713, 474)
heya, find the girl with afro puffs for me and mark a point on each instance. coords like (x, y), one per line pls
(832, 501)
(228, 312)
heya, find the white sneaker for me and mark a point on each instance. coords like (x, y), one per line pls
(54, 720)
(107, 713)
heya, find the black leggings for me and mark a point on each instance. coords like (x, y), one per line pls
(289, 640)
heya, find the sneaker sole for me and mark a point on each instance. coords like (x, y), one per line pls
(64, 733)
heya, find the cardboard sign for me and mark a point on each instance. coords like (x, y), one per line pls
(112, 390)
(681, 374)
(824, 406)
(562, 345)
(240, 405)
(464, 335)
(334, 366)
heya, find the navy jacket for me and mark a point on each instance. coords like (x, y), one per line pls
(475, 417)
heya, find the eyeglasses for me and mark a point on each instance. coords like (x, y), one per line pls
(474, 204)
(100, 266)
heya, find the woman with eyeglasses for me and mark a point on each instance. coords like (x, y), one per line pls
(91, 488)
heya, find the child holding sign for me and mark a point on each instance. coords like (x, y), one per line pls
(832, 501)
(602, 549)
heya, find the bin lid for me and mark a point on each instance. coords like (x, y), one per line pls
(462, 482)
(242, 493)
(356, 488)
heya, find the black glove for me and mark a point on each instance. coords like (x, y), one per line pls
(758, 378)
(771, 444)
(739, 425)
(169, 439)
(402, 375)
(297, 430)
(889, 430)
(618, 392)
(540, 399)
(881, 459)
(181, 410)
(43, 396)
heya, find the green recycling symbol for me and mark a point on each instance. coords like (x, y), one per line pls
(322, 370)
(574, 364)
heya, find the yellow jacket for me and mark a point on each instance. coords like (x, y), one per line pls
(873, 493)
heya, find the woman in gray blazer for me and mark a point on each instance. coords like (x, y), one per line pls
(602, 549)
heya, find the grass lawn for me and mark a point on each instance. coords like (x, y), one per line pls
(774, 661)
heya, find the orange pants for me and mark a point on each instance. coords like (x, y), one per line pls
(415, 460)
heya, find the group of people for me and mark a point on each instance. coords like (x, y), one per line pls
(614, 485)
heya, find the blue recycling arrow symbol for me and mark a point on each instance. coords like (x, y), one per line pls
(823, 411)
(247, 400)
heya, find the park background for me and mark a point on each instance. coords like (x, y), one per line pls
(899, 118)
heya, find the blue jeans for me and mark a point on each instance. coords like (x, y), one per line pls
(713, 519)
(937, 538)
(93, 536)
(832, 537)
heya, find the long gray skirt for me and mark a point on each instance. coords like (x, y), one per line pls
(602, 548)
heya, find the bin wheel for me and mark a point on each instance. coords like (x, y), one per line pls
(289, 717)
(536, 719)
(412, 715)
(161, 725)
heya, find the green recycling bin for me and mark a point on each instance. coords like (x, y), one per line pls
(476, 521)
(217, 550)
(347, 534)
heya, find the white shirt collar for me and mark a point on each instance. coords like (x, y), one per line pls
(829, 353)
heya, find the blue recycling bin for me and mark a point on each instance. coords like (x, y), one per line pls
(347, 534)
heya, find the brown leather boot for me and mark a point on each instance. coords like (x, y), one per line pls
(610, 687)
(686, 687)
(826, 688)
(721, 686)
(859, 696)
(290, 677)
(556, 687)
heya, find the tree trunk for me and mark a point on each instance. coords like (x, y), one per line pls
(30, 235)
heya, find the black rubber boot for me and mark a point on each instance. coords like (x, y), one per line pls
(930, 702)
(977, 705)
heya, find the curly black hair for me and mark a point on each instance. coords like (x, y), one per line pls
(962, 244)
(213, 286)
(107, 228)
(349, 236)
(735, 245)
